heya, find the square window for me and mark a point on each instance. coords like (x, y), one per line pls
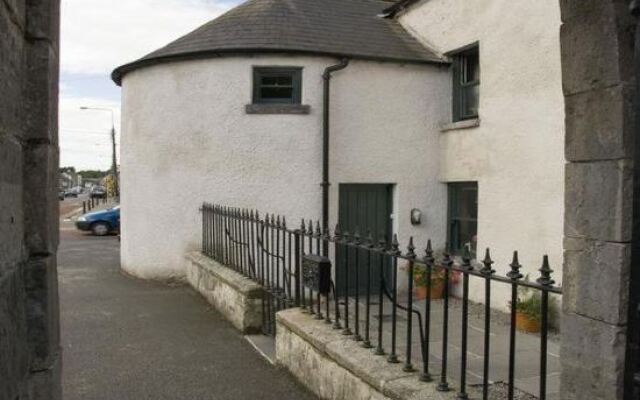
(277, 85)
(466, 83)
(463, 218)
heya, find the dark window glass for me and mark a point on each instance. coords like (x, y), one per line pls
(463, 217)
(277, 85)
(466, 84)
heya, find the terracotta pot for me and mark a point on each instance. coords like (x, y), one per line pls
(437, 291)
(526, 324)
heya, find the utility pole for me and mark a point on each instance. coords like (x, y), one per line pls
(114, 162)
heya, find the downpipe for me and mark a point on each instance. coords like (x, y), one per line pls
(326, 77)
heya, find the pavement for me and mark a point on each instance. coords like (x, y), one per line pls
(125, 338)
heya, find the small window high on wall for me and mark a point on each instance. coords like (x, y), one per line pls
(463, 217)
(466, 83)
(277, 85)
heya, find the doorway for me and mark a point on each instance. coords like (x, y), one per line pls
(365, 208)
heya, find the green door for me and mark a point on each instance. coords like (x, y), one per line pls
(363, 208)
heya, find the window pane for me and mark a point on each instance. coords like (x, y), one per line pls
(280, 93)
(464, 237)
(277, 80)
(463, 214)
(470, 97)
(467, 207)
(471, 63)
(277, 85)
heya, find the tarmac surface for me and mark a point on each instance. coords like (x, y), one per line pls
(124, 338)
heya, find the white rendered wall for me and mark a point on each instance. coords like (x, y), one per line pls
(187, 139)
(517, 153)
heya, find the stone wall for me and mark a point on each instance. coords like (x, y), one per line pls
(236, 297)
(597, 64)
(29, 330)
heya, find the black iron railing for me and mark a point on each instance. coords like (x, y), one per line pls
(267, 250)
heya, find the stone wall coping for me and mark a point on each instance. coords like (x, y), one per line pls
(237, 281)
(388, 379)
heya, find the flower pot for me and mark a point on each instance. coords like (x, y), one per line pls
(525, 324)
(437, 291)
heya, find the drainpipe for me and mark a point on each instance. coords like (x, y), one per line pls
(326, 76)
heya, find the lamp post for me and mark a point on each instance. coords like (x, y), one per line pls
(114, 164)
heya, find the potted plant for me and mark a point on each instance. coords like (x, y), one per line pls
(436, 283)
(529, 311)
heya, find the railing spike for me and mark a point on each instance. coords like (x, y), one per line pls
(411, 248)
(428, 252)
(318, 230)
(310, 228)
(303, 228)
(486, 269)
(515, 274)
(545, 273)
(395, 245)
(370, 242)
(446, 259)
(466, 260)
(284, 222)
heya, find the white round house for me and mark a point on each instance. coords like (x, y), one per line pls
(233, 113)
(343, 111)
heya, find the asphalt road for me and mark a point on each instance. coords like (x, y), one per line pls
(125, 339)
(70, 204)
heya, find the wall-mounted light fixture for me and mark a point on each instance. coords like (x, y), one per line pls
(416, 216)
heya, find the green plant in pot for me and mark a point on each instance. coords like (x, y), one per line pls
(529, 309)
(422, 281)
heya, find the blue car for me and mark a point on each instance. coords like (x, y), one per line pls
(100, 223)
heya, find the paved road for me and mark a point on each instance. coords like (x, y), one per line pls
(128, 339)
(70, 204)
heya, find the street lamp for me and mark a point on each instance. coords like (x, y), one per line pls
(114, 165)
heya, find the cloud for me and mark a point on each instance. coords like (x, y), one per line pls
(85, 139)
(99, 35)
(96, 37)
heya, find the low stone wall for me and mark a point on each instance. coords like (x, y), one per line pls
(337, 368)
(238, 298)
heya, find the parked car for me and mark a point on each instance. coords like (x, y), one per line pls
(98, 192)
(100, 223)
(61, 195)
(70, 193)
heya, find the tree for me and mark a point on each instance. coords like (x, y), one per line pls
(92, 174)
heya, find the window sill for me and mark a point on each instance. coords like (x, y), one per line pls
(299, 109)
(464, 124)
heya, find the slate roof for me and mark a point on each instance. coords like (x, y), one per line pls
(342, 28)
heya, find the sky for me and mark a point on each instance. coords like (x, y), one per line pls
(96, 37)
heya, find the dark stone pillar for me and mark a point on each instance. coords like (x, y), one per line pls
(29, 327)
(598, 82)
